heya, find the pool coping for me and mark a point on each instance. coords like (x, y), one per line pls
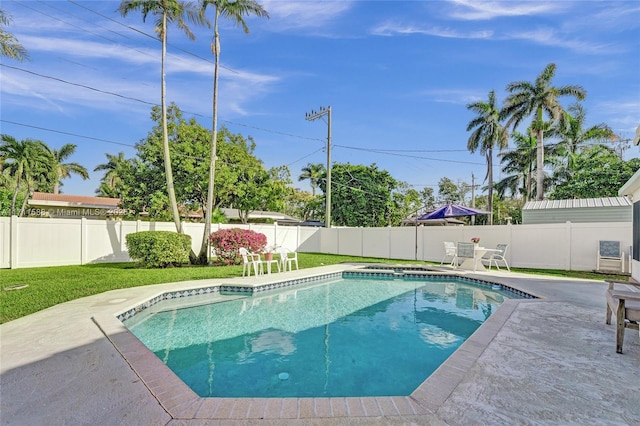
(182, 403)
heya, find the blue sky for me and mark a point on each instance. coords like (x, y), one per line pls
(397, 74)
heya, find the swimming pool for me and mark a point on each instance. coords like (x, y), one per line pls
(339, 337)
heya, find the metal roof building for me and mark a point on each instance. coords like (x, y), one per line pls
(608, 209)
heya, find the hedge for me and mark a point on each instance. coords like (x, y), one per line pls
(159, 249)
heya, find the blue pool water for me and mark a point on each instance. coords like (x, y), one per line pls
(338, 338)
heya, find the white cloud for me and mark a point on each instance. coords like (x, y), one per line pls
(137, 77)
(623, 115)
(287, 15)
(390, 29)
(551, 37)
(612, 15)
(453, 96)
(484, 10)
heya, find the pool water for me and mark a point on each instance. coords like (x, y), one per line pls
(338, 338)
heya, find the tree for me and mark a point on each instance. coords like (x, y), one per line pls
(406, 201)
(573, 136)
(427, 198)
(448, 192)
(363, 195)
(539, 98)
(259, 189)
(487, 134)
(303, 205)
(240, 174)
(518, 164)
(166, 11)
(63, 170)
(114, 170)
(9, 45)
(235, 10)
(189, 143)
(599, 172)
(28, 162)
(314, 173)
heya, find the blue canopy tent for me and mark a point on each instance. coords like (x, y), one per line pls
(451, 210)
(448, 210)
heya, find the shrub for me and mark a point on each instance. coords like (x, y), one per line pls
(226, 242)
(159, 249)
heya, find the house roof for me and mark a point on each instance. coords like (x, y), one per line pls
(235, 214)
(447, 221)
(577, 203)
(632, 185)
(65, 200)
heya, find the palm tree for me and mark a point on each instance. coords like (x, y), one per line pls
(539, 98)
(166, 11)
(9, 45)
(63, 170)
(113, 174)
(573, 137)
(488, 133)
(519, 165)
(235, 10)
(315, 173)
(27, 161)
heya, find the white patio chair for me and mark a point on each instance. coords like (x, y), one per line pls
(249, 261)
(449, 251)
(287, 258)
(499, 256)
(610, 252)
(466, 252)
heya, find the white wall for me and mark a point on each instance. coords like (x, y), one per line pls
(631, 189)
(567, 246)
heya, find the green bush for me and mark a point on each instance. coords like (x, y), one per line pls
(226, 243)
(159, 249)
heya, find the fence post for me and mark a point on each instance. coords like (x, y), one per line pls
(569, 241)
(83, 240)
(123, 243)
(13, 242)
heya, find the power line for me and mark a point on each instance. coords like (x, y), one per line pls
(84, 86)
(422, 150)
(67, 133)
(408, 156)
(122, 143)
(79, 85)
(151, 36)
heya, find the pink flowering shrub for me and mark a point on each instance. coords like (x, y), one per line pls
(226, 242)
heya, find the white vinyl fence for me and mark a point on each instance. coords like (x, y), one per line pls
(31, 242)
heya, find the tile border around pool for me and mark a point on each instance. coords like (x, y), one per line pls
(222, 288)
(182, 403)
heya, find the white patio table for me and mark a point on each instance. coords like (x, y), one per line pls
(475, 263)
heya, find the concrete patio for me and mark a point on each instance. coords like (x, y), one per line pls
(545, 361)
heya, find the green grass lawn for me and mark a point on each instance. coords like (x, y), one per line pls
(53, 285)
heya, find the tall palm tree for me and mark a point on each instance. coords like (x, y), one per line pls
(166, 12)
(573, 136)
(27, 161)
(63, 170)
(9, 45)
(519, 164)
(234, 10)
(487, 134)
(112, 177)
(539, 98)
(314, 173)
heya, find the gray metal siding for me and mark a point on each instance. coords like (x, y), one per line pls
(578, 215)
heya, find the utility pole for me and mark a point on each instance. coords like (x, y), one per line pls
(473, 187)
(473, 197)
(311, 116)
